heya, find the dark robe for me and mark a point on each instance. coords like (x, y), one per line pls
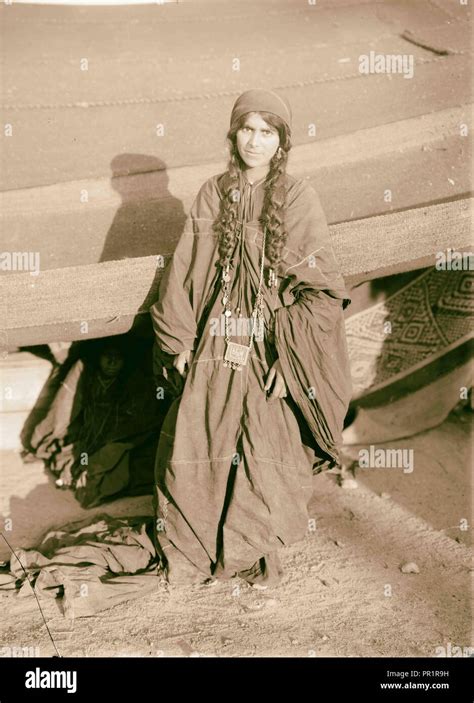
(234, 468)
(99, 438)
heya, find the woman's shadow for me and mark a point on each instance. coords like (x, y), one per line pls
(150, 220)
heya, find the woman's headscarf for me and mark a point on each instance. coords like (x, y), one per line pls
(262, 101)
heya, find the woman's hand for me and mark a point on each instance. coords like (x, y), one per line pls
(182, 362)
(279, 388)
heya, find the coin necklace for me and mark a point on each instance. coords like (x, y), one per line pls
(236, 355)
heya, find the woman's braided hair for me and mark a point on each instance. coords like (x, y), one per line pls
(272, 215)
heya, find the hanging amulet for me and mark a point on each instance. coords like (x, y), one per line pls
(225, 272)
(272, 278)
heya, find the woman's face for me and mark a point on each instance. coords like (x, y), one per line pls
(257, 141)
(111, 362)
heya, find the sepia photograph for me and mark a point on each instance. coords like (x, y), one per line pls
(236, 379)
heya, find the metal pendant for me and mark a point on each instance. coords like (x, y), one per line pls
(236, 354)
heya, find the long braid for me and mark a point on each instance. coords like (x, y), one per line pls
(273, 209)
(227, 224)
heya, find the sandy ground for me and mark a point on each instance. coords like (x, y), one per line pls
(343, 593)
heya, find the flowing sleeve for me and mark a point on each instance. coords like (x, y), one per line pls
(310, 330)
(309, 262)
(187, 276)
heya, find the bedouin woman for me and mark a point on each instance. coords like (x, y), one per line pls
(250, 315)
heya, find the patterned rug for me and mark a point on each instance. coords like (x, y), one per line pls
(422, 322)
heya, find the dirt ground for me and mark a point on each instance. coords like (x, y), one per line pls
(343, 593)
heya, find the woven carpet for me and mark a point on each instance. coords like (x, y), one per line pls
(422, 322)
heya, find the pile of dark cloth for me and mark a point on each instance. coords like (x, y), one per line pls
(90, 565)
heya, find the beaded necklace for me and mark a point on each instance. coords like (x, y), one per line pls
(236, 355)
